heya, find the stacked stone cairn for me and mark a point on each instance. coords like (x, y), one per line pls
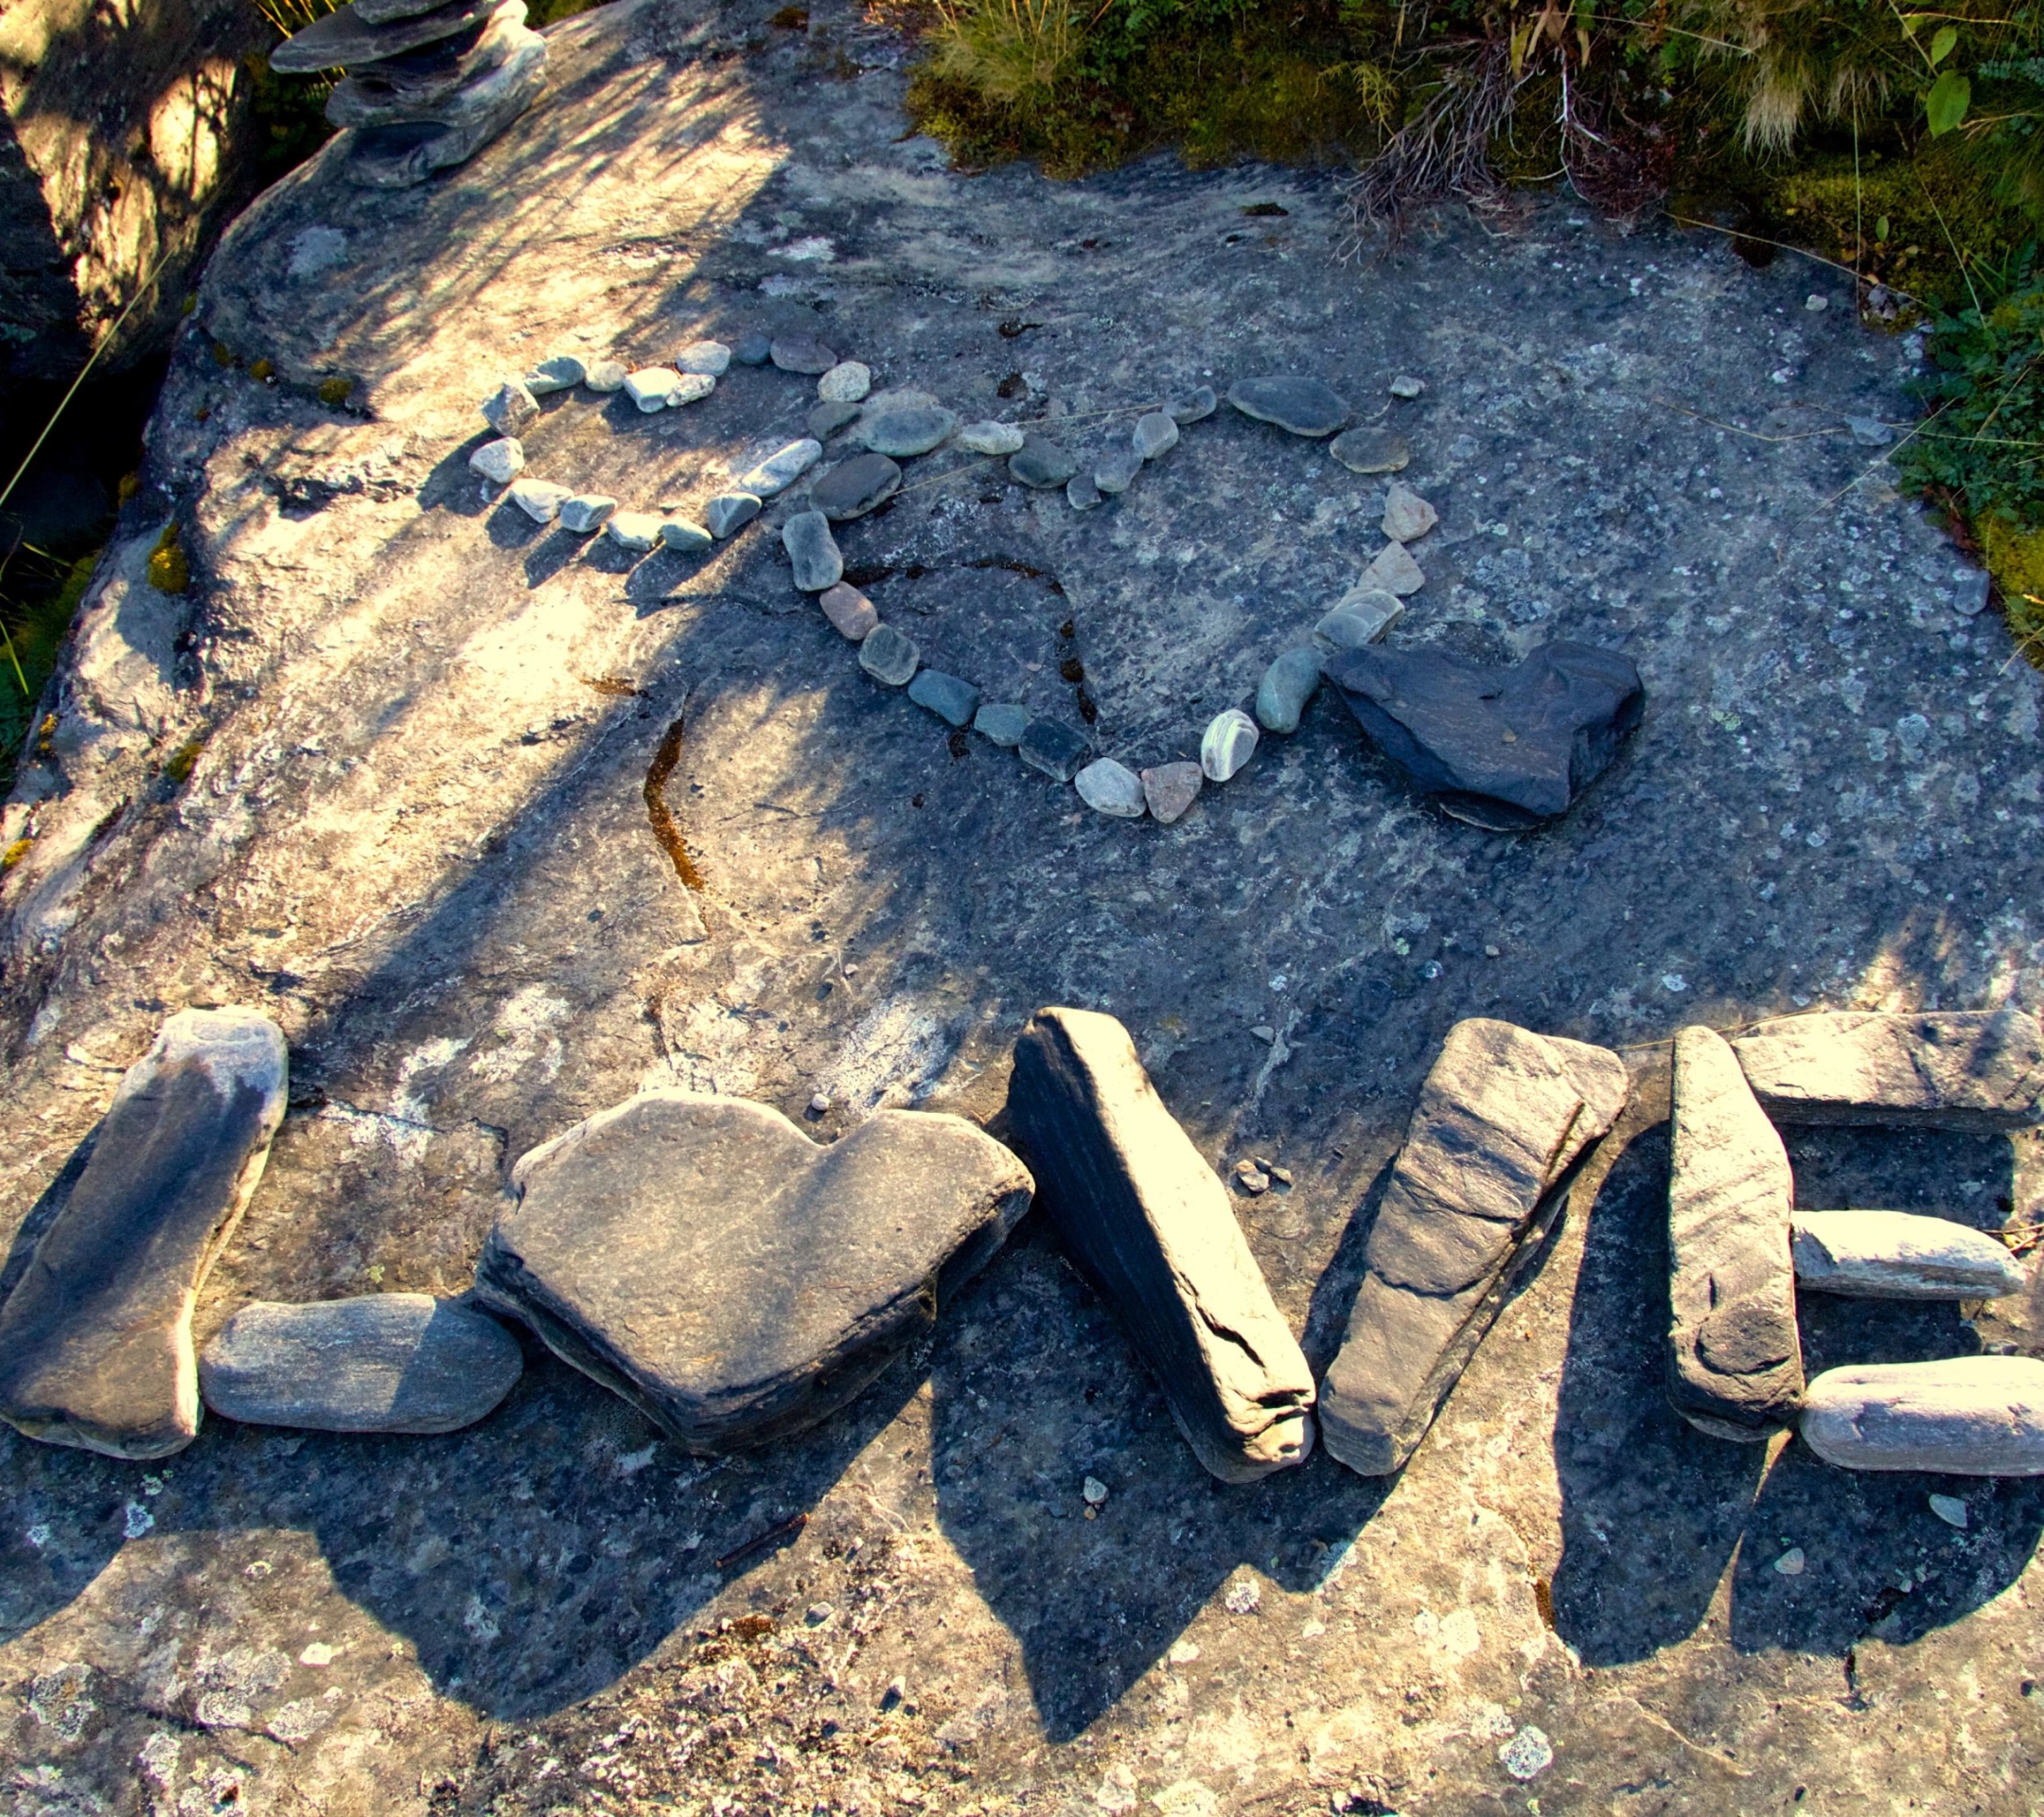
(427, 83)
(1740, 1251)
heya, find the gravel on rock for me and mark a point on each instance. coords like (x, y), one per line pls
(379, 1363)
(853, 487)
(1041, 463)
(1301, 406)
(990, 438)
(96, 1339)
(710, 358)
(1054, 747)
(1963, 1415)
(801, 353)
(845, 383)
(622, 1252)
(812, 551)
(1229, 743)
(1112, 788)
(540, 499)
(1502, 1117)
(950, 698)
(585, 512)
(1170, 790)
(1155, 435)
(889, 655)
(1151, 1226)
(730, 512)
(1287, 685)
(850, 611)
(563, 372)
(1965, 1069)
(1001, 722)
(780, 469)
(1371, 450)
(500, 462)
(1899, 1255)
(1734, 1360)
(511, 408)
(637, 531)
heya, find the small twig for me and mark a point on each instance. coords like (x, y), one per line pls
(760, 1542)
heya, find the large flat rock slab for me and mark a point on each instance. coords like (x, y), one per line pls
(1149, 1224)
(733, 1280)
(379, 1363)
(96, 1340)
(1734, 1354)
(1502, 1117)
(1968, 1070)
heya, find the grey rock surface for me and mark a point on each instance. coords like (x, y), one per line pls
(812, 551)
(344, 37)
(1899, 1255)
(1501, 748)
(853, 487)
(379, 1363)
(1306, 407)
(949, 697)
(1977, 1070)
(889, 655)
(1291, 680)
(626, 1252)
(1152, 1228)
(1965, 1415)
(1503, 1118)
(96, 1336)
(1734, 1355)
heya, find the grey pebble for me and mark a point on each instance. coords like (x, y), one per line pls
(990, 438)
(562, 373)
(1116, 470)
(1112, 788)
(637, 531)
(913, 428)
(780, 469)
(1361, 616)
(604, 376)
(1157, 434)
(500, 462)
(589, 511)
(709, 358)
(1286, 687)
(1229, 743)
(510, 408)
(888, 655)
(826, 419)
(684, 535)
(540, 499)
(752, 349)
(812, 551)
(1407, 387)
(729, 512)
(1194, 407)
(853, 487)
(1001, 722)
(945, 695)
(1371, 450)
(1054, 747)
(1300, 406)
(1080, 492)
(1042, 463)
(801, 353)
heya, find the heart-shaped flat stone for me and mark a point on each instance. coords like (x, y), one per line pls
(732, 1278)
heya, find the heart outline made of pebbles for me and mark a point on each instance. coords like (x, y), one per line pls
(1165, 792)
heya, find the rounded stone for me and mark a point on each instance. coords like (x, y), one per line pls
(1407, 387)
(1001, 722)
(1112, 788)
(585, 512)
(1170, 789)
(1194, 406)
(1157, 434)
(813, 550)
(801, 353)
(711, 357)
(990, 438)
(1360, 617)
(1230, 742)
(500, 462)
(825, 420)
(730, 512)
(1054, 747)
(845, 383)
(1081, 493)
(888, 656)
(1041, 463)
(689, 387)
(1116, 470)
(1286, 687)
(606, 376)
(913, 428)
(652, 387)
(563, 372)
(946, 696)
(1371, 450)
(752, 349)
(1301, 406)
(684, 537)
(850, 611)
(540, 499)
(637, 531)
(853, 487)
(510, 408)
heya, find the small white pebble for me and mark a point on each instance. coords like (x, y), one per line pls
(1094, 1491)
(1816, 305)
(1790, 1563)
(819, 1105)
(1406, 386)
(1949, 1510)
(318, 1653)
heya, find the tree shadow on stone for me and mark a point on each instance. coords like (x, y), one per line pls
(1651, 1508)
(1036, 1390)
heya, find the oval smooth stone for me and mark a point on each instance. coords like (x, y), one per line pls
(1301, 406)
(1116, 470)
(846, 382)
(1967, 1416)
(853, 487)
(1054, 747)
(1042, 463)
(1112, 788)
(1286, 687)
(1899, 1255)
(946, 696)
(606, 375)
(1194, 406)
(711, 357)
(684, 535)
(1230, 742)
(990, 438)
(1156, 435)
(801, 353)
(888, 656)
(1001, 722)
(850, 611)
(814, 551)
(912, 430)
(1371, 450)
(562, 373)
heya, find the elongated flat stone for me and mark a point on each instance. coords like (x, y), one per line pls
(1967, 1416)
(381, 1363)
(812, 551)
(684, 535)
(1734, 1357)
(736, 1281)
(952, 699)
(853, 487)
(851, 613)
(476, 110)
(96, 1344)
(990, 438)
(1899, 1255)
(1977, 1070)
(432, 73)
(1371, 450)
(563, 372)
(1195, 406)
(1302, 406)
(905, 429)
(344, 37)
(1502, 1118)
(801, 353)
(1151, 1226)
(780, 470)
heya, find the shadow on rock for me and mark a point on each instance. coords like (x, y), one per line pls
(1036, 1390)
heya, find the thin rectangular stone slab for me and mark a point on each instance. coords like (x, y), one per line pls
(1145, 1218)
(376, 1363)
(1504, 1117)
(736, 1281)
(1968, 1070)
(1734, 1356)
(1967, 1416)
(96, 1343)
(344, 37)
(1899, 1255)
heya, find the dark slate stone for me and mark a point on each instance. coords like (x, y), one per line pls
(1194, 406)
(905, 429)
(1042, 463)
(752, 349)
(1966, 1069)
(1734, 1363)
(380, 13)
(1503, 1120)
(1151, 1226)
(801, 353)
(1303, 406)
(853, 487)
(1054, 747)
(945, 695)
(1504, 749)
(95, 1345)
(381, 1363)
(812, 551)
(345, 37)
(826, 419)
(734, 1280)
(432, 73)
